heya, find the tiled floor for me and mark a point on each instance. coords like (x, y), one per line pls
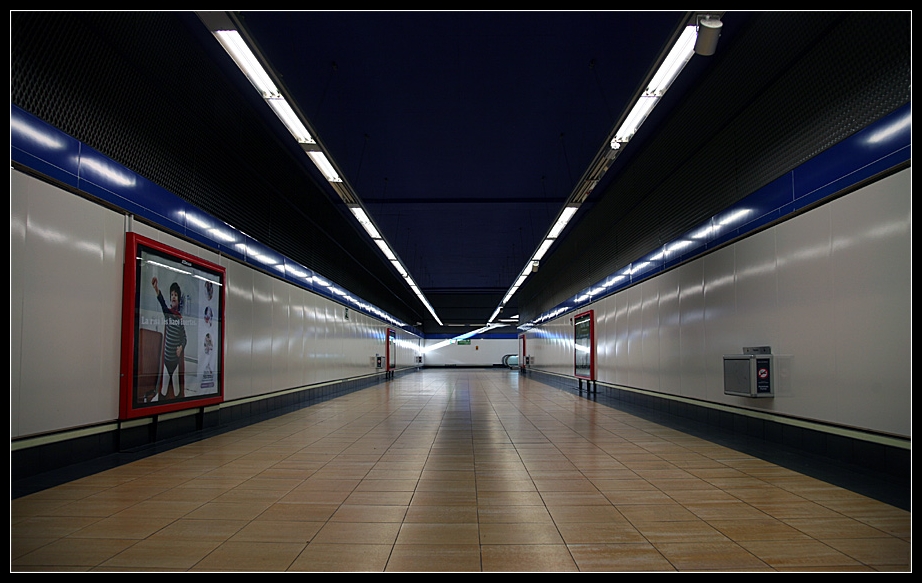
(465, 470)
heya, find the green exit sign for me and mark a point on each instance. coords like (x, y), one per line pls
(464, 342)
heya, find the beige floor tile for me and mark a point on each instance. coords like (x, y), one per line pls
(369, 513)
(798, 553)
(49, 527)
(434, 558)
(619, 497)
(509, 499)
(381, 485)
(381, 533)
(444, 498)
(195, 529)
(520, 533)
(441, 514)
(662, 531)
(578, 533)
(68, 553)
(162, 553)
(376, 498)
(585, 514)
(637, 513)
(709, 556)
(513, 514)
(228, 511)
(118, 527)
(757, 529)
(280, 531)
(421, 533)
(575, 499)
(527, 558)
(613, 557)
(884, 554)
(250, 556)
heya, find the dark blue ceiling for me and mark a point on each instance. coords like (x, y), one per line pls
(462, 132)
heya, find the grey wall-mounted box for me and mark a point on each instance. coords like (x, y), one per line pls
(750, 375)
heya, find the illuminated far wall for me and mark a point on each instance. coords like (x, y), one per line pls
(480, 352)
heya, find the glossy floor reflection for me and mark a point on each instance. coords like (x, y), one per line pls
(460, 470)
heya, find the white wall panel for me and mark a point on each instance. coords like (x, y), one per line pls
(69, 279)
(633, 364)
(692, 346)
(649, 334)
(756, 290)
(757, 316)
(620, 302)
(311, 338)
(720, 329)
(669, 363)
(605, 335)
(872, 332)
(806, 312)
(281, 335)
(262, 333)
(19, 207)
(296, 343)
(238, 326)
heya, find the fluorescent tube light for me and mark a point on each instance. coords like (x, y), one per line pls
(363, 220)
(545, 245)
(290, 119)
(322, 164)
(565, 216)
(247, 61)
(637, 116)
(399, 268)
(675, 61)
(382, 244)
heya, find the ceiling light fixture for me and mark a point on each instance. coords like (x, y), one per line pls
(227, 30)
(709, 27)
(698, 33)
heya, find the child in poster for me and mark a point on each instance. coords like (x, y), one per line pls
(174, 340)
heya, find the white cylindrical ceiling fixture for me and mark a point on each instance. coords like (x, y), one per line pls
(708, 33)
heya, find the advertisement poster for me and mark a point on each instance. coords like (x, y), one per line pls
(173, 351)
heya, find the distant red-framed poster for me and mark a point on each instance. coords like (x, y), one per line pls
(391, 350)
(172, 330)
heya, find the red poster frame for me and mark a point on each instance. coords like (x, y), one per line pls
(522, 352)
(591, 315)
(130, 404)
(391, 338)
